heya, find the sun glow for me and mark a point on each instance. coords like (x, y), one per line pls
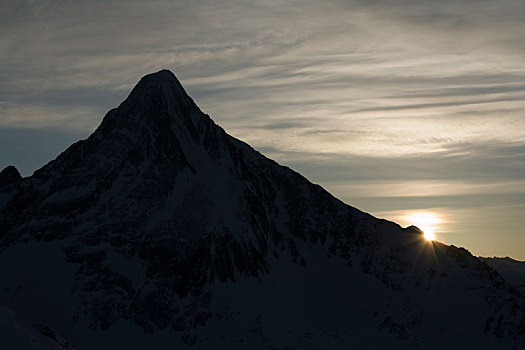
(429, 235)
(427, 222)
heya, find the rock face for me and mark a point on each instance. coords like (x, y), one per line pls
(161, 221)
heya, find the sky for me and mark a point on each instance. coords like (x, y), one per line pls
(410, 110)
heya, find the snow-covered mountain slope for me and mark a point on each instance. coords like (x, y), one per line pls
(160, 230)
(512, 270)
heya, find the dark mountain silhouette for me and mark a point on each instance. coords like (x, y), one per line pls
(9, 175)
(162, 223)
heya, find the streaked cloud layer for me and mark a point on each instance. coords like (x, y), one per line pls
(391, 105)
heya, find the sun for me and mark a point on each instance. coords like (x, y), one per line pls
(427, 222)
(429, 235)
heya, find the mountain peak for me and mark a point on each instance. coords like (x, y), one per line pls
(162, 83)
(161, 74)
(157, 125)
(164, 78)
(156, 104)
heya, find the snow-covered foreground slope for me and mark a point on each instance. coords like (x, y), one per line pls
(162, 231)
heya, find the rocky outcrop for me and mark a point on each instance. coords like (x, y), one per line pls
(9, 176)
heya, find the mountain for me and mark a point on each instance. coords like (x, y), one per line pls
(161, 230)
